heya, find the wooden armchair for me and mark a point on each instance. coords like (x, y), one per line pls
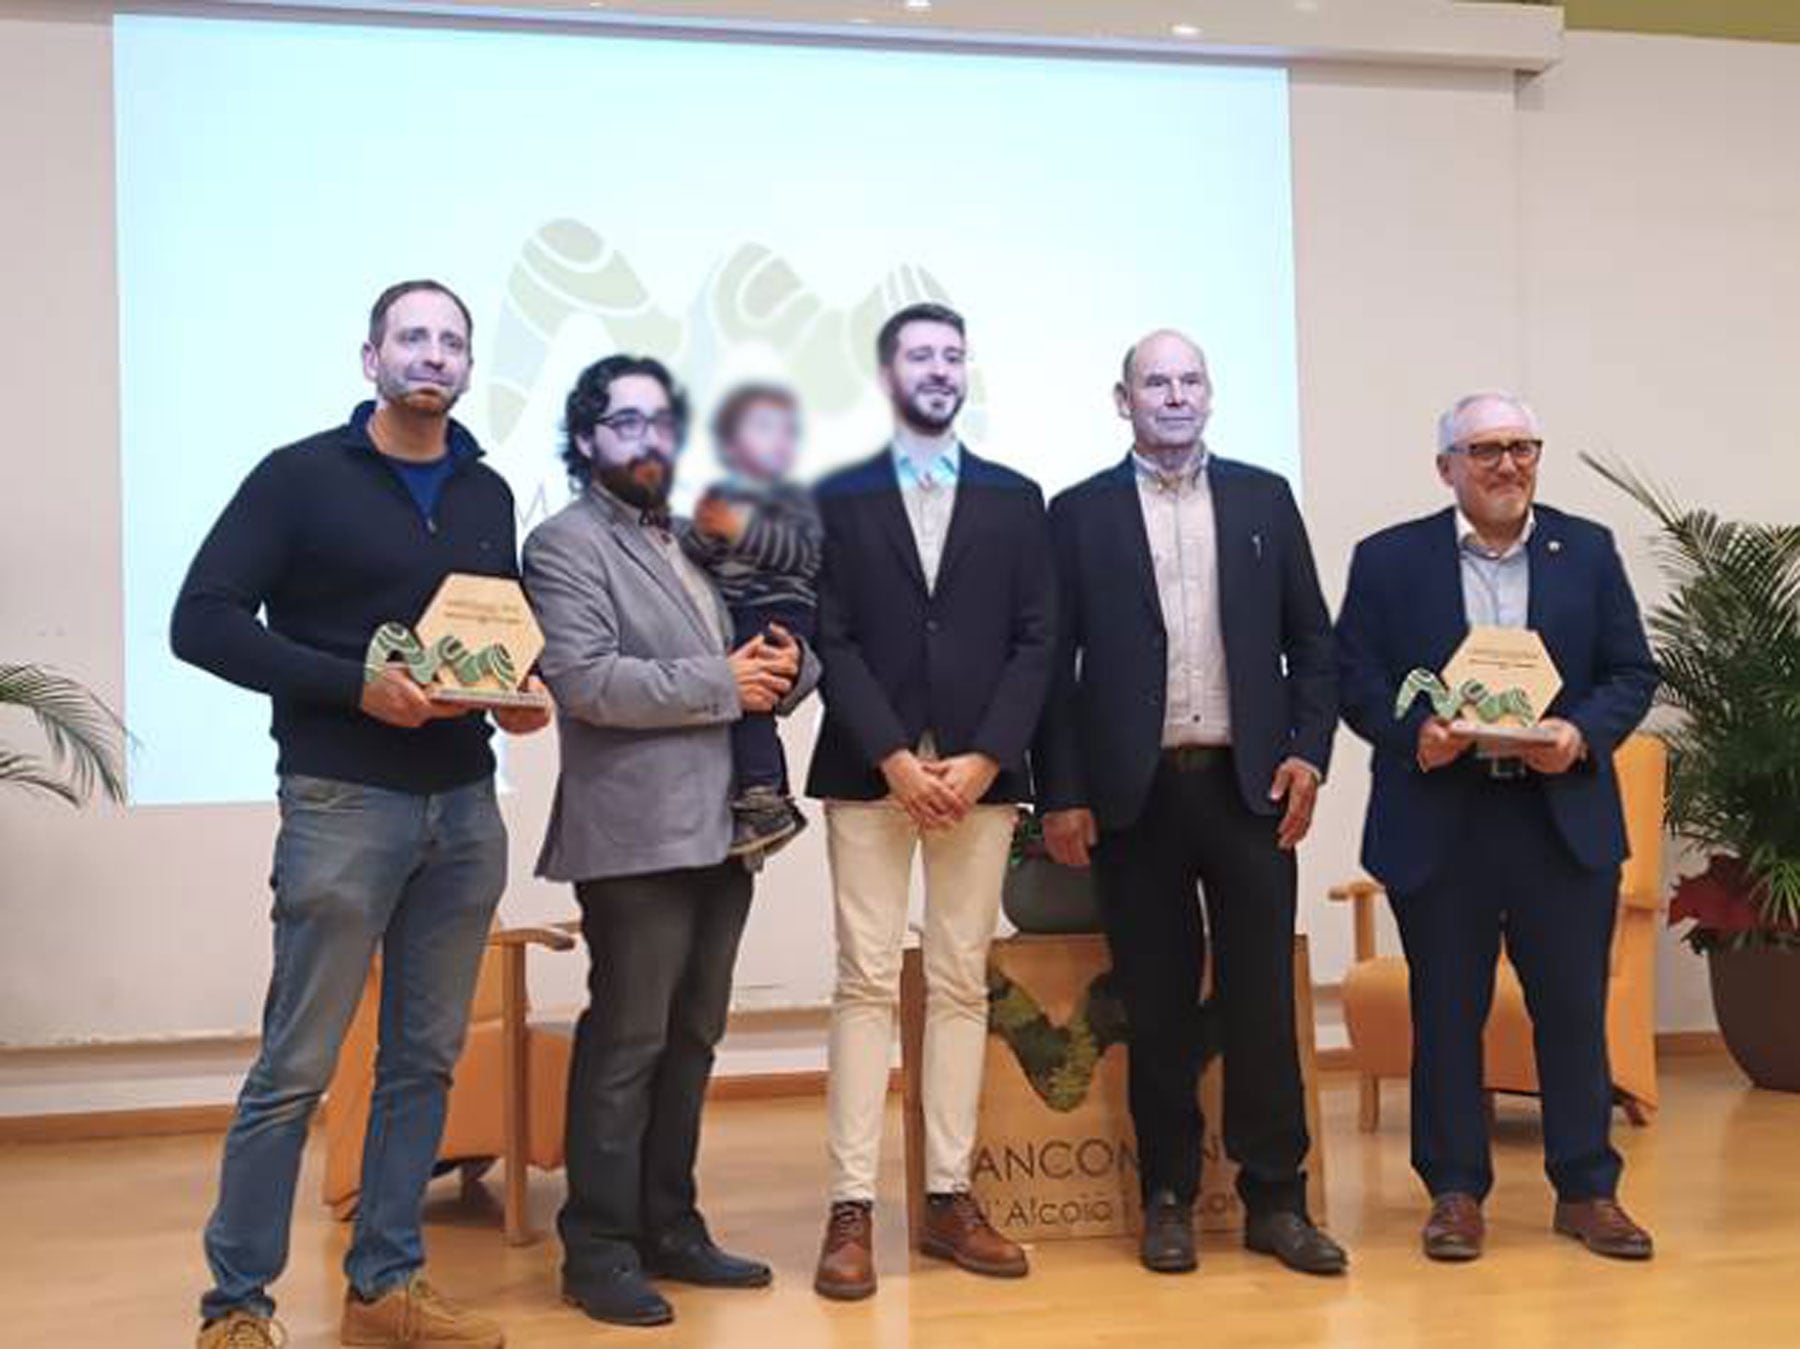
(507, 1103)
(1376, 1008)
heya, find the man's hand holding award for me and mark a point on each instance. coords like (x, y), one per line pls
(1488, 698)
(472, 650)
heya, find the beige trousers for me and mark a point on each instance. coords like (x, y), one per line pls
(871, 846)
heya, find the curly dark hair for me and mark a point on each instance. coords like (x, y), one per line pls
(592, 395)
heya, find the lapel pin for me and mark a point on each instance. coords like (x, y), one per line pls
(1556, 545)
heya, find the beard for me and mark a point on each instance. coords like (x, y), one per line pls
(928, 421)
(634, 485)
(426, 399)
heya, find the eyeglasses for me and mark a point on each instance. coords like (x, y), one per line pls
(1487, 454)
(634, 425)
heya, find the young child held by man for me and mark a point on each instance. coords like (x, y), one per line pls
(757, 534)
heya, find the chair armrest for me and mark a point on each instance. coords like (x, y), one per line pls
(555, 936)
(1361, 894)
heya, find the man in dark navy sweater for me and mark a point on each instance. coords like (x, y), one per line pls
(390, 836)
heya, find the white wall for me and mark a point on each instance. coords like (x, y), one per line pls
(1390, 217)
(1614, 237)
(1659, 212)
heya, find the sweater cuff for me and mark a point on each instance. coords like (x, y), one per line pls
(332, 680)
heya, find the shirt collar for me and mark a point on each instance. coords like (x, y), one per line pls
(1470, 542)
(1180, 481)
(945, 467)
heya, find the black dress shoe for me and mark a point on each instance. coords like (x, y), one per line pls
(1292, 1239)
(698, 1261)
(1167, 1246)
(620, 1297)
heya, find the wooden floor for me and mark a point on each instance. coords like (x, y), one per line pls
(99, 1245)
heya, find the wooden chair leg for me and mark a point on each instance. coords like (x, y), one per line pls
(516, 1127)
(1368, 1103)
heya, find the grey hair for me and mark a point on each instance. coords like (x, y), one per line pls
(1451, 430)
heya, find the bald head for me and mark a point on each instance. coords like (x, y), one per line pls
(1155, 341)
(1165, 392)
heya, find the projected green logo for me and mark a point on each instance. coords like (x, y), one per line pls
(754, 296)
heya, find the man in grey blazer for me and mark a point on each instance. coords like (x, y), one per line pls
(637, 653)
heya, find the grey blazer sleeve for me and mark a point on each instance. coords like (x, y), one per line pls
(582, 663)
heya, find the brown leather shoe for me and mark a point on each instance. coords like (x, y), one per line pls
(418, 1316)
(846, 1270)
(1455, 1230)
(242, 1329)
(955, 1230)
(1604, 1228)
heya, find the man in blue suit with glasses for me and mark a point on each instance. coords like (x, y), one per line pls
(1477, 845)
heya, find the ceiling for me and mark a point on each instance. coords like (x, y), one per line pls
(1453, 32)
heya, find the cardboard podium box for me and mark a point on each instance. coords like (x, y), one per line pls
(1055, 1157)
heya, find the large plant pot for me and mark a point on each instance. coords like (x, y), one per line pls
(1043, 897)
(1756, 995)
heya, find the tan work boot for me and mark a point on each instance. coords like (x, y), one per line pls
(846, 1270)
(241, 1330)
(956, 1230)
(416, 1316)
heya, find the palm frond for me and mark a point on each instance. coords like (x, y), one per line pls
(1727, 642)
(86, 737)
(23, 770)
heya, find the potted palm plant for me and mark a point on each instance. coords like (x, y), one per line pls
(1727, 639)
(85, 737)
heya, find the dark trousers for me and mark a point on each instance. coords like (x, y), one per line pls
(661, 950)
(1510, 877)
(756, 755)
(1195, 830)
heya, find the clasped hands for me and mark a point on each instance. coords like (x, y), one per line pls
(937, 793)
(765, 668)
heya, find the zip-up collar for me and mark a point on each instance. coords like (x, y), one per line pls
(463, 446)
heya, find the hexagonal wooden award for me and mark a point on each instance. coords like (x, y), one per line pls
(474, 645)
(1517, 680)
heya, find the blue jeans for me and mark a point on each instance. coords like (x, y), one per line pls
(356, 868)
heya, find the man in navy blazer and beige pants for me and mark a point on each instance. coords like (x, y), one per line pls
(935, 616)
(1189, 725)
(1476, 848)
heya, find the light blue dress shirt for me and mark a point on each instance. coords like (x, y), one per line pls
(928, 491)
(1496, 586)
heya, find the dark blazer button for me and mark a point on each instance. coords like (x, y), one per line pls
(931, 625)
